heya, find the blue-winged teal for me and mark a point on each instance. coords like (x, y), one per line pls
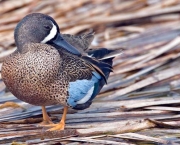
(47, 70)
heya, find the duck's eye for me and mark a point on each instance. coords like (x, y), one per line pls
(47, 27)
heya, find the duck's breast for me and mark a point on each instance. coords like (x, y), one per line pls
(28, 75)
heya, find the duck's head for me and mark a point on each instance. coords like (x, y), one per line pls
(40, 28)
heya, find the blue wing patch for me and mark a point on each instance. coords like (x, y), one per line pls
(82, 90)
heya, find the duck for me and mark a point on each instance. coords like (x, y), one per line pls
(50, 68)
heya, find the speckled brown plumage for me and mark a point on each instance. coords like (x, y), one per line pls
(40, 76)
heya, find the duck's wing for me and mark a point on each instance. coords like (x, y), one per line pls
(81, 77)
(101, 60)
(81, 42)
(87, 76)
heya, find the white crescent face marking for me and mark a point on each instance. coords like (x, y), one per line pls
(51, 35)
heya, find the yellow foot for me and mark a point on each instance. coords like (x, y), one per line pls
(59, 126)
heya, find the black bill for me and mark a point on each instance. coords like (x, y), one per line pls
(59, 41)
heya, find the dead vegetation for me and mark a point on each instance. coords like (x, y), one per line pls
(140, 103)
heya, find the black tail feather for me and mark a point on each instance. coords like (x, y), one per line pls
(104, 64)
(99, 53)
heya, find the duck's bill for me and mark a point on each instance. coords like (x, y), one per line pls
(61, 42)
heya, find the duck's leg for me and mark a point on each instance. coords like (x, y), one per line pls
(46, 119)
(61, 124)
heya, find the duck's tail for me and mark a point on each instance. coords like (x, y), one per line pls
(104, 59)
